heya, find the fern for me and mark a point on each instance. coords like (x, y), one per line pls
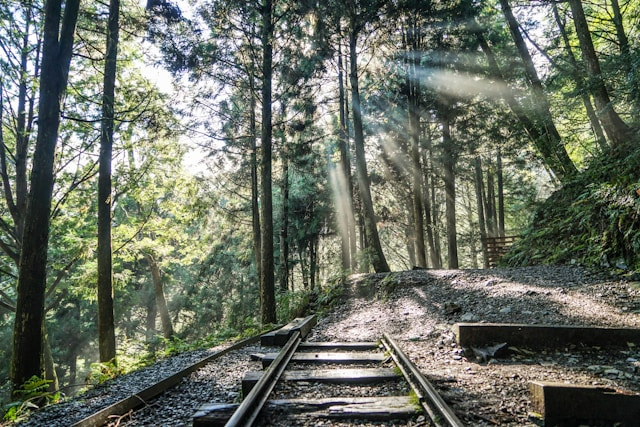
(31, 395)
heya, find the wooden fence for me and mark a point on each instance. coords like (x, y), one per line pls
(496, 248)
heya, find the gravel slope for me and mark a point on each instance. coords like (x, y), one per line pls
(419, 308)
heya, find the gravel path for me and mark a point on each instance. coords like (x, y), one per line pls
(419, 308)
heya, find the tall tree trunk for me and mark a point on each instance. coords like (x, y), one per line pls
(551, 146)
(580, 84)
(473, 248)
(428, 206)
(353, 223)
(313, 261)
(57, 50)
(267, 291)
(152, 313)
(106, 321)
(284, 229)
(500, 178)
(412, 81)
(255, 208)
(409, 231)
(480, 203)
(437, 244)
(48, 362)
(449, 160)
(161, 301)
(625, 53)
(490, 200)
(346, 187)
(23, 132)
(378, 260)
(617, 130)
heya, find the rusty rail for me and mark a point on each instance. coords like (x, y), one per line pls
(439, 412)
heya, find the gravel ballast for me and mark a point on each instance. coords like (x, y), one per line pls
(419, 308)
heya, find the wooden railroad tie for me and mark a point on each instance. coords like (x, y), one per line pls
(542, 336)
(571, 405)
(370, 408)
(355, 357)
(335, 376)
(280, 336)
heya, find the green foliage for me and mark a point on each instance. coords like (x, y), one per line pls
(101, 372)
(387, 286)
(328, 297)
(31, 395)
(595, 220)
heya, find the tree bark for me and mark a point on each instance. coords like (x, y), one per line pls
(284, 229)
(500, 179)
(152, 312)
(106, 321)
(267, 291)
(480, 204)
(434, 256)
(412, 81)
(50, 373)
(346, 187)
(161, 301)
(616, 129)
(378, 260)
(255, 208)
(57, 50)
(449, 160)
(490, 203)
(353, 223)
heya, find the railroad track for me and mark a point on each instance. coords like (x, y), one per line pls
(285, 391)
(276, 396)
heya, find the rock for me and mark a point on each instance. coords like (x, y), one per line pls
(451, 308)
(505, 310)
(468, 317)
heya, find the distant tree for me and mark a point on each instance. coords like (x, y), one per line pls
(617, 130)
(548, 139)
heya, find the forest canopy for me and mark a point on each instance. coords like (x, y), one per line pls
(177, 173)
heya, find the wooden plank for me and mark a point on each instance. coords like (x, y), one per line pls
(367, 408)
(214, 414)
(342, 346)
(327, 357)
(571, 405)
(542, 336)
(336, 376)
(361, 408)
(281, 336)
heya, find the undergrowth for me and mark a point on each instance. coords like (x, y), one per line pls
(593, 220)
(31, 395)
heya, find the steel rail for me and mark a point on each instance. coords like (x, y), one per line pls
(252, 404)
(140, 398)
(432, 402)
